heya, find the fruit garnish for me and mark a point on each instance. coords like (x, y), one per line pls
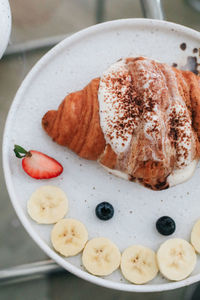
(195, 236)
(104, 211)
(37, 164)
(165, 225)
(176, 259)
(69, 237)
(138, 264)
(101, 257)
(47, 205)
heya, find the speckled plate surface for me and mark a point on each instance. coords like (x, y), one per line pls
(5, 25)
(69, 67)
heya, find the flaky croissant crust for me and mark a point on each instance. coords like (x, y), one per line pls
(76, 125)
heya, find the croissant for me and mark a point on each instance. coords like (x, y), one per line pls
(140, 120)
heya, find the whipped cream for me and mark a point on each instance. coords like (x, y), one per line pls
(183, 174)
(116, 173)
(140, 106)
(116, 123)
(176, 177)
(180, 122)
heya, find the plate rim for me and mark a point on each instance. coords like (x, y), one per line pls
(8, 176)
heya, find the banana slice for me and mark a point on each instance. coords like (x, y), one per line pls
(101, 256)
(47, 205)
(176, 259)
(138, 264)
(69, 237)
(195, 236)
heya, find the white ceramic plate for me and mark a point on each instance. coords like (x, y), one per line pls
(69, 67)
(5, 25)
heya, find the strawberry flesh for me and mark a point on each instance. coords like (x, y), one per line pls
(41, 166)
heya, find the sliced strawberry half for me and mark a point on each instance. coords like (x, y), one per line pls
(37, 164)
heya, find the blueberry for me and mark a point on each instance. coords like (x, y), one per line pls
(165, 225)
(104, 211)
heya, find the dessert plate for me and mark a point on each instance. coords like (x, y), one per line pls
(68, 67)
(5, 25)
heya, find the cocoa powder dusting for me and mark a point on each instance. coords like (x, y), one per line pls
(127, 106)
(147, 105)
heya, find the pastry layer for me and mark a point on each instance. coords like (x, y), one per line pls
(141, 119)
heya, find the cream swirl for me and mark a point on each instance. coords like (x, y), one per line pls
(144, 118)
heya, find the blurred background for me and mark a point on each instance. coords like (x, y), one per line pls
(36, 26)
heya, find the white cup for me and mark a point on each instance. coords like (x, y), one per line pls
(5, 25)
